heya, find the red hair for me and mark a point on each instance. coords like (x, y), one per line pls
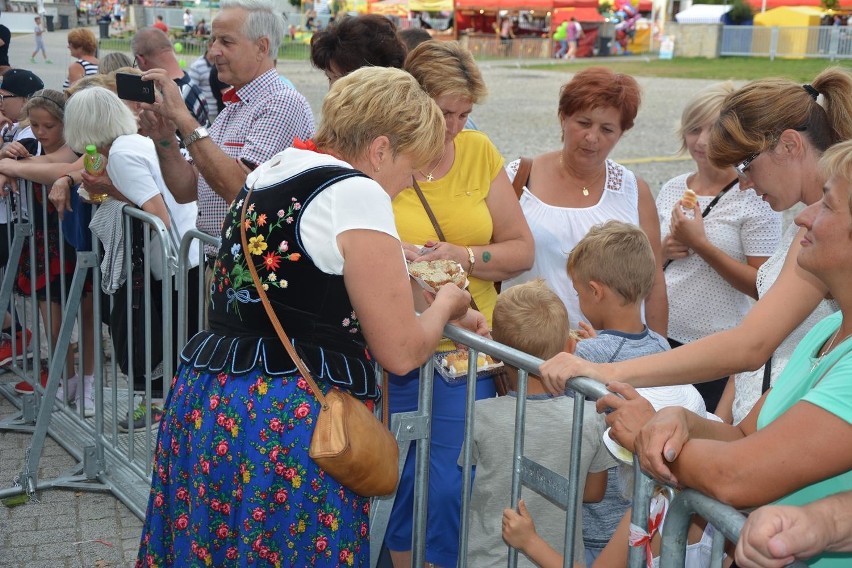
(597, 87)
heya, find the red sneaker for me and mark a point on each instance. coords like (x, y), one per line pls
(6, 354)
(25, 388)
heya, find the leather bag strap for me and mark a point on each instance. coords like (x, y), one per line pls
(436, 226)
(276, 323)
(522, 178)
(429, 212)
(282, 335)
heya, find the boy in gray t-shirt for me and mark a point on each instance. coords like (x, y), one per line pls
(612, 269)
(529, 317)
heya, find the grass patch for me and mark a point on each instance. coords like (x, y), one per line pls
(721, 69)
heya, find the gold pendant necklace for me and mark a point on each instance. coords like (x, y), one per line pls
(826, 350)
(430, 176)
(585, 189)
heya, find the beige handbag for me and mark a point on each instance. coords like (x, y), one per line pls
(348, 442)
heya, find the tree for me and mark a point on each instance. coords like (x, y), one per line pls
(829, 4)
(741, 12)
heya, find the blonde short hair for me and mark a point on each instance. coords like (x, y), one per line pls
(531, 317)
(703, 109)
(98, 80)
(372, 102)
(446, 68)
(618, 255)
(112, 61)
(836, 163)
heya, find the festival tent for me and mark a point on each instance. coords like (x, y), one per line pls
(584, 10)
(497, 5)
(801, 16)
(397, 8)
(401, 8)
(702, 14)
(758, 5)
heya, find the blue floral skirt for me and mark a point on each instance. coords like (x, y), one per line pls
(233, 484)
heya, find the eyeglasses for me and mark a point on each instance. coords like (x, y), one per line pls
(3, 97)
(743, 166)
(135, 62)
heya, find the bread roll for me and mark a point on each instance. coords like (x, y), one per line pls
(437, 273)
(689, 199)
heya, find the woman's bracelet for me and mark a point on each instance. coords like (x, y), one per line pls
(71, 179)
(471, 258)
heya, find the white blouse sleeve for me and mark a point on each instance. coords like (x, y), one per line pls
(354, 203)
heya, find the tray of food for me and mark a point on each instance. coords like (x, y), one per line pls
(453, 365)
(432, 274)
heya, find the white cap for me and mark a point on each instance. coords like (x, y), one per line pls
(686, 396)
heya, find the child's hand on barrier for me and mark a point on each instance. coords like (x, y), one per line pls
(475, 322)
(518, 526)
(556, 371)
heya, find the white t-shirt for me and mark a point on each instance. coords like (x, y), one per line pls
(354, 203)
(134, 169)
(16, 133)
(701, 301)
(557, 230)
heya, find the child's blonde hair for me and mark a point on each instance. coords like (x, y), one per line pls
(531, 318)
(618, 255)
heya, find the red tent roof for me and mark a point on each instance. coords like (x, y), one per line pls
(504, 5)
(582, 13)
(583, 10)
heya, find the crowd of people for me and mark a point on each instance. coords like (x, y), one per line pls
(568, 257)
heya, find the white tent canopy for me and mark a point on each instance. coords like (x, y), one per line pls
(702, 14)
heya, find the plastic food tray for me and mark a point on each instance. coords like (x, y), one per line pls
(461, 377)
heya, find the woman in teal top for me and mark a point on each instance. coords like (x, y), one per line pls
(794, 446)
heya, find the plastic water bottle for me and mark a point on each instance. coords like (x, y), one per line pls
(95, 164)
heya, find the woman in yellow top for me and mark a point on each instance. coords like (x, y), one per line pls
(484, 230)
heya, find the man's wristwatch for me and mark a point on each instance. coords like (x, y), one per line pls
(195, 136)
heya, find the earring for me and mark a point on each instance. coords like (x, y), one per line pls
(376, 169)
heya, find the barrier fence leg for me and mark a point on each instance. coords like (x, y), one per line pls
(27, 482)
(467, 457)
(421, 468)
(643, 490)
(518, 451)
(408, 427)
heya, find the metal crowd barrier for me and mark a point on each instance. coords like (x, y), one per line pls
(826, 42)
(121, 462)
(724, 518)
(111, 458)
(415, 426)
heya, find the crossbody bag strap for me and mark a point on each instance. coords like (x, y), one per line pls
(767, 375)
(708, 209)
(716, 199)
(282, 335)
(522, 178)
(429, 212)
(279, 330)
(436, 226)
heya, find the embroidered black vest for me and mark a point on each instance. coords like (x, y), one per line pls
(313, 306)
